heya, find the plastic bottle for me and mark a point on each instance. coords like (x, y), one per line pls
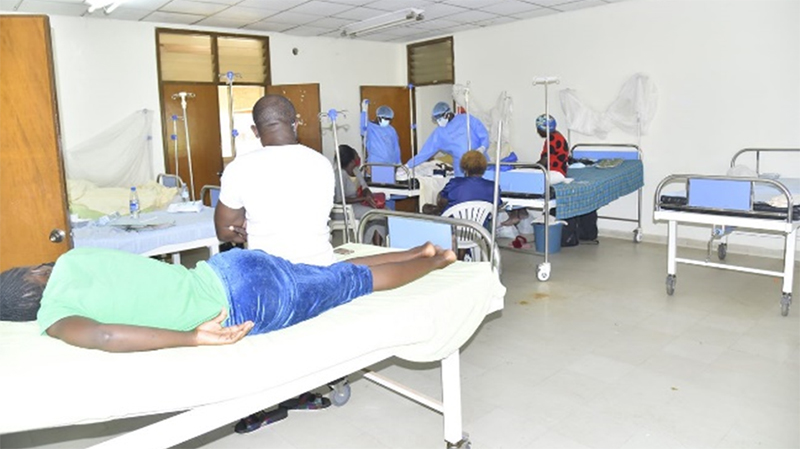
(134, 203)
(184, 193)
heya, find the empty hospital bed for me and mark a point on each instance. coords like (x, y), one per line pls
(428, 320)
(766, 205)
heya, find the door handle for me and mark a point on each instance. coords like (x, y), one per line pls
(57, 235)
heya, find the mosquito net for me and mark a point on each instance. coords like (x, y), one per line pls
(121, 156)
(632, 111)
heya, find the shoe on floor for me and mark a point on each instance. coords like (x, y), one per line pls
(260, 419)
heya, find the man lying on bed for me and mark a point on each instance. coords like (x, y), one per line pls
(122, 302)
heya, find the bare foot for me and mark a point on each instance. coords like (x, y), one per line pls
(445, 257)
(427, 250)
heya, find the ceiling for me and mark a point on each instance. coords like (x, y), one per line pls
(315, 17)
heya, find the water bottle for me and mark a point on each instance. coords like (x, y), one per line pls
(184, 193)
(134, 203)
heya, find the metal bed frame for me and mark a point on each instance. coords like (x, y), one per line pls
(450, 405)
(724, 221)
(547, 204)
(637, 233)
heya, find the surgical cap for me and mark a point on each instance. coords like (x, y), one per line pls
(385, 112)
(440, 109)
(542, 123)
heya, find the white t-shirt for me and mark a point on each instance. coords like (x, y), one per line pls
(287, 192)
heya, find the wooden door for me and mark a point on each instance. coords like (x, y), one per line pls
(204, 135)
(305, 98)
(397, 98)
(33, 199)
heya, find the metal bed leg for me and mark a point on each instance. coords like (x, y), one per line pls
(451, 403)
(637, 233)
(672, 250)
(788, 271)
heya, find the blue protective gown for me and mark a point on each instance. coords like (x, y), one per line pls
(452, 139)
(383, 145)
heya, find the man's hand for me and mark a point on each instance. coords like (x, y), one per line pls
(241, 231)
(365, 106)
(213, 333)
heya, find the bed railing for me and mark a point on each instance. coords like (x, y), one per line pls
(685, 179)
(412, 183)
(481, 235)
(758, 152)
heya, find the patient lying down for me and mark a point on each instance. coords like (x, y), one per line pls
(122, 302)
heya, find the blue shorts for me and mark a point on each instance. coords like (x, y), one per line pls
(273, 293)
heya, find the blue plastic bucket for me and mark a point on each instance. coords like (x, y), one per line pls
(554, 239)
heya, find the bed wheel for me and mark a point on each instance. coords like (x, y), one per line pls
(671, 284)
(722, 251)
(340, 393)
(786, 301)
(543, 271)
(637, 235)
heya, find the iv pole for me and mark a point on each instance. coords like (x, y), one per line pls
(228, 78)
(183, 96)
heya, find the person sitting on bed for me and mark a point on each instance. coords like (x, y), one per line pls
(357, 194)
(254, 188)
(559, 149)
(116, 301)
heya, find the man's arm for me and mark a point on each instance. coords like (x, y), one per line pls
(428, 150)
(88, 333)
(230, 224)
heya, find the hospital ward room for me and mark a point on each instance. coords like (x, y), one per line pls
(400, 224)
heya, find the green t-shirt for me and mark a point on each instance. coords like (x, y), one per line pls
(115, 287)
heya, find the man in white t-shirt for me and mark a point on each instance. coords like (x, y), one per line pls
(278, 198)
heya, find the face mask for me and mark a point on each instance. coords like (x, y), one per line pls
(383, 122)
(442, 121)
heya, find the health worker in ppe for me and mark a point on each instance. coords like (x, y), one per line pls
(380, 138)
(450, 136)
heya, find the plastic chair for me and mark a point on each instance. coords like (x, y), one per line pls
(345, 212)
(168, 180)
(476, 211)
(212, 192)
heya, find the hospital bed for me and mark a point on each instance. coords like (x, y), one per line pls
(180, 232)
(728, 203)
(397, 180)
(428, 320)
(528, 185)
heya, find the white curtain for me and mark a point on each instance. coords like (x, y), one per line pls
(121, 156)
(632, 111)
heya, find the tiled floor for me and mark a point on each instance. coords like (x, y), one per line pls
(598, 357)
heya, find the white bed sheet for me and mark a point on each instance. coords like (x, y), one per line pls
(189, 227)
(55, 384)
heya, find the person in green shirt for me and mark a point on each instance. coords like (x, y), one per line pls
(121, 302)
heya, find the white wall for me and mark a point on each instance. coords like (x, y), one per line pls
(106, 69)
(728, 75)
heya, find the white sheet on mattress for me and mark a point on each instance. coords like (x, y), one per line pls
(49, 383)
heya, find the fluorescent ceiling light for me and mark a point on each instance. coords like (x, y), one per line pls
(108, 5)
(383, 22)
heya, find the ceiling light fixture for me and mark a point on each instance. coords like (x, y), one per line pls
(382, 22)
(108, 5)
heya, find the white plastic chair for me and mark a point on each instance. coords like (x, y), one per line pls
(345, 212)
(476, 211)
